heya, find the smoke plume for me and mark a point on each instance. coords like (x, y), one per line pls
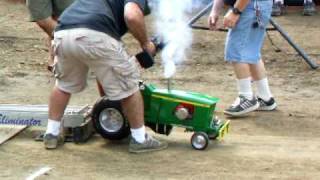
(172, 26)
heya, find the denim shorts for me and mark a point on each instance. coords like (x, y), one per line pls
(244, 41)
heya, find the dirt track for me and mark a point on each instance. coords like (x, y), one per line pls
(280, 145)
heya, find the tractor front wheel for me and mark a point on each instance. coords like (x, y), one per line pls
(199, 140)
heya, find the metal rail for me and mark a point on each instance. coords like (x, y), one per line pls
(203, 12)
(277, 27)
(299, 50)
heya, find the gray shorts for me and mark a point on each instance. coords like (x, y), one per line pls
(42, 9)
(77, 50)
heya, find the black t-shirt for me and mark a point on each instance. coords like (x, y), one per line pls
(230, 2)
(101, 15)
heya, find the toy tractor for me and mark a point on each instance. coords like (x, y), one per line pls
(164, 109)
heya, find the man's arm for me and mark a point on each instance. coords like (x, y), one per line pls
(217, 6)
(134, 18)
(214, 15)
(241, 4)
(47, 25)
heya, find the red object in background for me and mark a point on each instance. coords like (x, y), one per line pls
(190, 107)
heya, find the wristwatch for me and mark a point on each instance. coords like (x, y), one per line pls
(236, 11)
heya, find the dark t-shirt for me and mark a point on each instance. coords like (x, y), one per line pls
(101, 15)
(230, 2)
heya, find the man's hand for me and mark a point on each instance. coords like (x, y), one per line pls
(213, 20)
(230, 19)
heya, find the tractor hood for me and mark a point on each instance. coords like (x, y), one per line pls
(197, 99)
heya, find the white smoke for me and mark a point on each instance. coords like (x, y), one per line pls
(172, 26)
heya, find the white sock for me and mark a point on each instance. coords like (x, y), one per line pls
(281, 1)
(53, 127)
(305, 1)
(263, 90)
(244, 88)
(139, 134)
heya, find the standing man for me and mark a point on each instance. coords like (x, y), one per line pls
(88, 35)
(45, 13)
(247, 21)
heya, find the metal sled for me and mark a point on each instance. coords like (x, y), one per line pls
(76, 118)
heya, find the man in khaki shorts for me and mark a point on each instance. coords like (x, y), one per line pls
(45, 13)
(88, 35)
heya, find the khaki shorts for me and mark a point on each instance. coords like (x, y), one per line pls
(42, 9)
(77, 50)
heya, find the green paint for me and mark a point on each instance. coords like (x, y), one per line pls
(160, 105)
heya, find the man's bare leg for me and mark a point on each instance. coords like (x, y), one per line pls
(243, 75)
(134, 109)
(141, 142)
(258, 71)
(261, 81)
(57, 104)
(241, 70)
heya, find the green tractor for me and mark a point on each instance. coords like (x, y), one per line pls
(164, 109)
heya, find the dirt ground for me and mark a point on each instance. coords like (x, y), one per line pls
(277, 145)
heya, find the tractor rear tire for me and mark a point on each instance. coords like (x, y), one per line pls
(109, 120)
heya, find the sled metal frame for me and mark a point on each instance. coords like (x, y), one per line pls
(276, 27)
(76, 118)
